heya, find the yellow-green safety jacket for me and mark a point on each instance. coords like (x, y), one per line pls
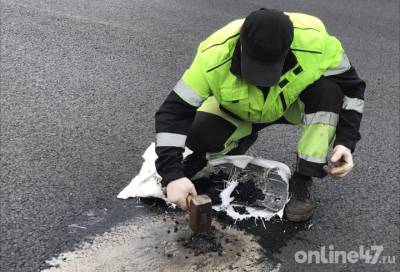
(316, 52)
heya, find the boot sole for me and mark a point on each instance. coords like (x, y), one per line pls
(299, 217)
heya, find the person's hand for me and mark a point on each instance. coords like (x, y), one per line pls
(341, 162)
(178, 190)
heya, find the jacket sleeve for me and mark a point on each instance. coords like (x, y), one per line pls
(345, 75)
(174, 118)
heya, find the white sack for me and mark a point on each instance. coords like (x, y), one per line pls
(148, 183)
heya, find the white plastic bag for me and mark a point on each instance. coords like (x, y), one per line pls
(148, 183)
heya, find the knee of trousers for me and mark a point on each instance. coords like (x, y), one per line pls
(322, 95)
(209, 133)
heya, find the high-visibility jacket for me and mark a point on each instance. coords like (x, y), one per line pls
(316, 52)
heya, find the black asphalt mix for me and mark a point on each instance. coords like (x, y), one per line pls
(81, 80)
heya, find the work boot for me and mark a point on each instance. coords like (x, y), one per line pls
(302, 204)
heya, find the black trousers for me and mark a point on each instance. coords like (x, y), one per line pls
(209, 132)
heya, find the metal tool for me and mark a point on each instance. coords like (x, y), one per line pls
(200, 210)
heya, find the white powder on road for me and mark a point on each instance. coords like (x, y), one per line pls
(145, 245)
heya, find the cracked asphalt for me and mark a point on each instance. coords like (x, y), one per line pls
(81, 80)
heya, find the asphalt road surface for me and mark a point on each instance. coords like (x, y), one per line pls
(81, 80)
